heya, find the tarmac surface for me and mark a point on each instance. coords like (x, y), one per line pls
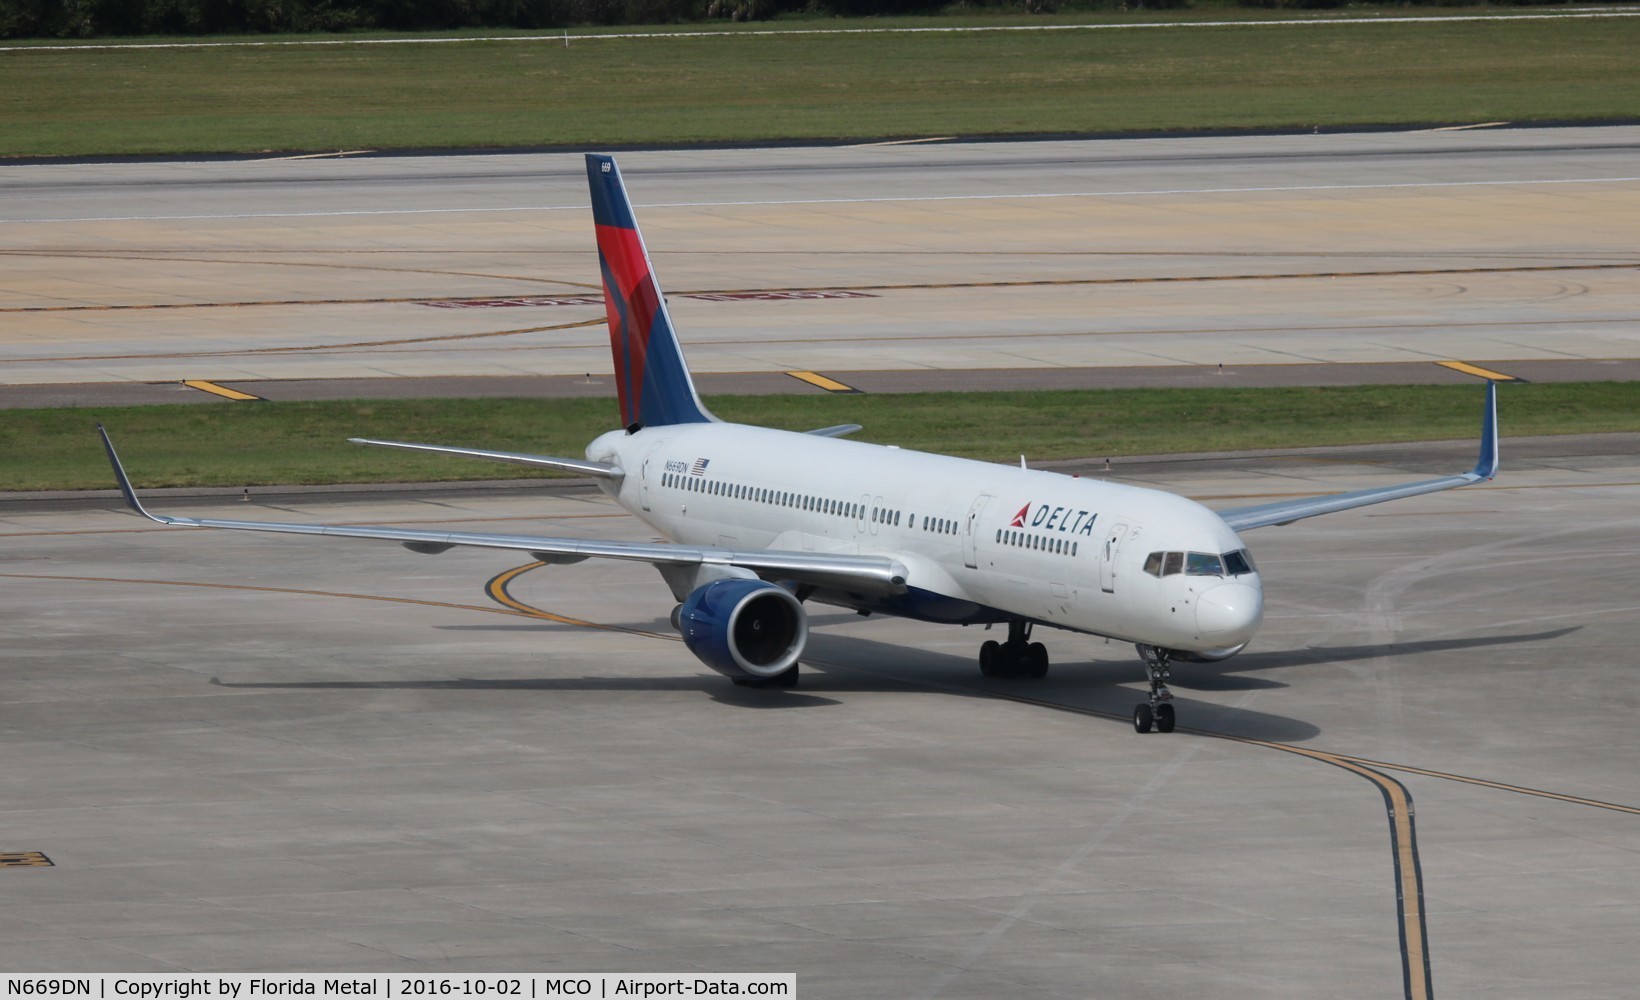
(246, 753)
(1039, 259)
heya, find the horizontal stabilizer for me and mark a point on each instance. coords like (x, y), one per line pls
(580, 466)
(841, 430)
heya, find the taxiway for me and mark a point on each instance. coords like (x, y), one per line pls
(258, 753)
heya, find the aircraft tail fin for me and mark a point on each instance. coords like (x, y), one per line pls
(651, 376)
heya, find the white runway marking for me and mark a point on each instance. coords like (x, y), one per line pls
(565, 39)
(1274, 189)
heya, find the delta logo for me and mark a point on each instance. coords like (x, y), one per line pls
(1046, 517)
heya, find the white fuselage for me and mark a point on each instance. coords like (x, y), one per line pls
(982, 542)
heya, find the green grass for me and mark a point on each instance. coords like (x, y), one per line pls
(792, 86)
(243, 444)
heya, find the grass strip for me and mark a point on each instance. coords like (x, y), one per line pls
(251, 444)
(739, 87)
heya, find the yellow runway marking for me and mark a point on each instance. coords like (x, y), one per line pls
(24, 859)
(1476, 370)
(830, 385)
(217, 390)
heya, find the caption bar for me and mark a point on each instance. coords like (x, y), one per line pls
(244, 986)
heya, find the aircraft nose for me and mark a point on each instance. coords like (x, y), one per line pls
(1230, 613)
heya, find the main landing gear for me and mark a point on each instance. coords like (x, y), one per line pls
(1018, 657)
(1159, 709)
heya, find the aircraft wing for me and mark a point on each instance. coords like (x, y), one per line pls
(865, 574)
(580, 465)
(1288, 511)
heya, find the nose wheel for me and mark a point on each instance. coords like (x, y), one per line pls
(1157, 712)
(1018, 657)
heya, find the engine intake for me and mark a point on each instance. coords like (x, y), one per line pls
(744, 628)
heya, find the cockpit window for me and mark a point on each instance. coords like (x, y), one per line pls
(1203, 564)
(1238, 562)
(1153, 564)
(1173, 564)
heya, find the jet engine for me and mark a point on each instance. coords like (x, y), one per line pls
(743, 628)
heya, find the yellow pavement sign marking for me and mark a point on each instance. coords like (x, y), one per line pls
(830, 385)
(220, 390)
(24, 859)
(1468, 369)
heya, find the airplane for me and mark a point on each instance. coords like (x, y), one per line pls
(762, 522)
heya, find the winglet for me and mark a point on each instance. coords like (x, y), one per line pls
(1487, 465)
(124, 480)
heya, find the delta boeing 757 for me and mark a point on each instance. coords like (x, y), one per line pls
(761, 522)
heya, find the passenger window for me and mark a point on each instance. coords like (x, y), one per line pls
(1204, 564)
(1172, 563)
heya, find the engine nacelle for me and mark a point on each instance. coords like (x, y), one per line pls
(744, 628)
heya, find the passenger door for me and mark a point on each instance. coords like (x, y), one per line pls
(1107, 557)
(970, 536)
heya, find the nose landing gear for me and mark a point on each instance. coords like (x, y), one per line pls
(1018, 657)
(1158, 711)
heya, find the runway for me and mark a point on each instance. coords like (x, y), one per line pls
(251, 753)
(1129, 257)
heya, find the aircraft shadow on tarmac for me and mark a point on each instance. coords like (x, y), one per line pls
(1218, 676)
(842, 665)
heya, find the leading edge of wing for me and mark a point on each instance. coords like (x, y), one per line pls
(866, 574)
(1288, 511)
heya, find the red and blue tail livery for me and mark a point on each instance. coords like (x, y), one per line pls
(650, 373)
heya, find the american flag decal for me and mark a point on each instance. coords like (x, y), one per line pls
(700, 467)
